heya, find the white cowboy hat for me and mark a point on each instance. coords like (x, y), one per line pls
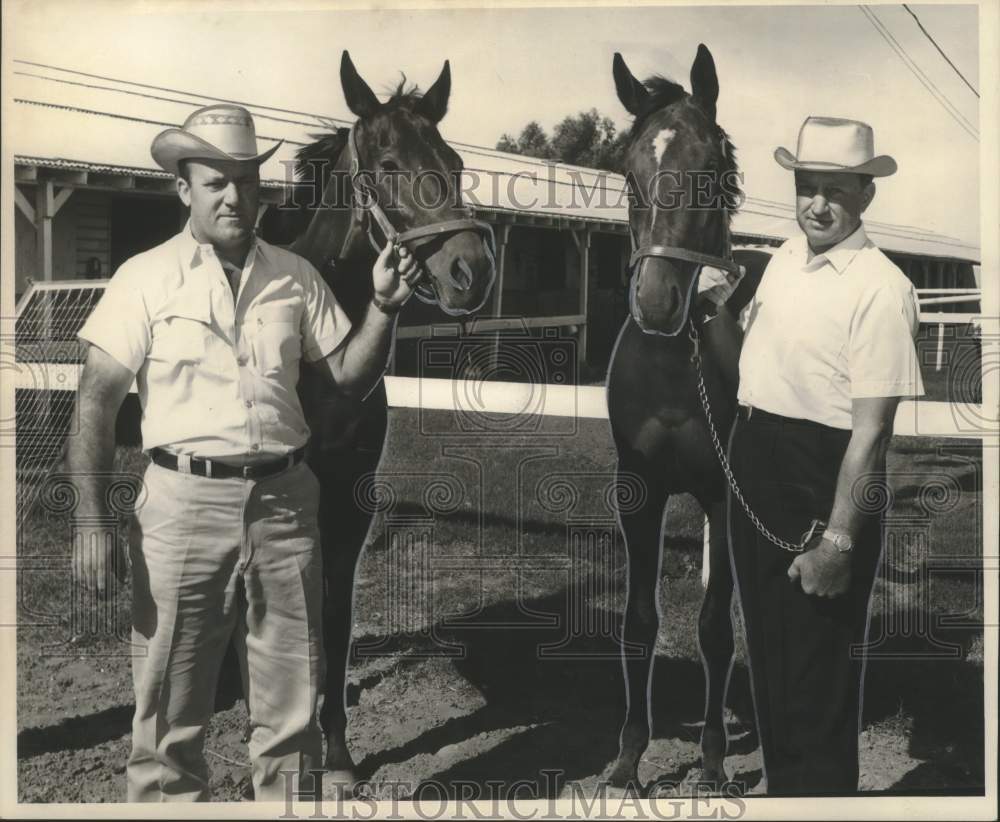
(219, 132)
(833, 144)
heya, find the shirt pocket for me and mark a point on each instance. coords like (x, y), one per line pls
(277, 342)
(182, 331)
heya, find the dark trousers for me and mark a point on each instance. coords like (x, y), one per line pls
(806, 660)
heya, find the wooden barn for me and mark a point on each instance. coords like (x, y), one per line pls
(89, 195)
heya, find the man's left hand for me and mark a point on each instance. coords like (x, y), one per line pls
(822, 570)
(394, 266)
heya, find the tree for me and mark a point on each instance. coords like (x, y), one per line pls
(585, 139)
(532, 142)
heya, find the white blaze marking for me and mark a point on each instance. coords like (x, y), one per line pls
(660, 143)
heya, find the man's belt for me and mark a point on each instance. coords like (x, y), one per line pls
(751, 414)
(187, 464)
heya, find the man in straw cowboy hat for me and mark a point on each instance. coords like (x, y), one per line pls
(211, 325)
(827, 354)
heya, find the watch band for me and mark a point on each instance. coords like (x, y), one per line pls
(385, 306)
(841, 541)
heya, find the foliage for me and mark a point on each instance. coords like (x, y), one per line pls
(585, 139)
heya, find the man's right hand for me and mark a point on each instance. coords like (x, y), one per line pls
(98, 559)
(717, 285)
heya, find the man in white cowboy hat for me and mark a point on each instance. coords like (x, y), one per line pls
(827, 354)
(211, 326)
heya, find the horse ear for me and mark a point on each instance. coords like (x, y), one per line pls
(361, 100)
(631, 92)
(434, 103)
(704, 81)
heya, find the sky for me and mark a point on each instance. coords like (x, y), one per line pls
(776, 66)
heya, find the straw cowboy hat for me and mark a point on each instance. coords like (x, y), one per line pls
(832, 144)
(219, 132)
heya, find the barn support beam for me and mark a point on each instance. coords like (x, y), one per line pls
(47, 205)
(582, 240)
(502, 236)
(24, 205)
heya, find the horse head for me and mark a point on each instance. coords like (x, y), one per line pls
(683, 186)
(402, 181)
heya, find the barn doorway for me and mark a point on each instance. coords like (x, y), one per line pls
(141, 223)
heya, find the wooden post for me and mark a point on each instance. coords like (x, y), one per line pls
(581, 338)
(44, 208)
(47, 205)
(940, 346)
(502, 236)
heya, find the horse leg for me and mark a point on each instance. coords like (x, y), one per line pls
(715, 639)
(343, 529)
(338, 569)
(641, 530)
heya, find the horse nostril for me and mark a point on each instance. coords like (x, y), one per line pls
(460, 275)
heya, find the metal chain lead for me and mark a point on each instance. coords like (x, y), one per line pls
(724, 461)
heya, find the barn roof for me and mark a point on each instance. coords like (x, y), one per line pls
(82, 122)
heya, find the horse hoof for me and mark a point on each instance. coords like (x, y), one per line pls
(339, 784)
(622, 775)
(704, 781)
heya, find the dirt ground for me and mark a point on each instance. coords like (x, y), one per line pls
(500, 714)
(461, 700)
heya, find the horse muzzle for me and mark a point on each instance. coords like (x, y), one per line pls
(660, 295)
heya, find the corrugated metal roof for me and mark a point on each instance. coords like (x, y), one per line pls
(69, 120)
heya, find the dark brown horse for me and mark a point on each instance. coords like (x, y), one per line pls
(391, 142)
(683, 190)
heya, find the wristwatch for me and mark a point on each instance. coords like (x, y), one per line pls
(385, 306)
(841, 541)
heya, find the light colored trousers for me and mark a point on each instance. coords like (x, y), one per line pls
(197, 542)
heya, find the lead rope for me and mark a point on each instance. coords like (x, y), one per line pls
(720, 452)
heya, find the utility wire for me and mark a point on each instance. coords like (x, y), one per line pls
(927, 34)
(925, 81)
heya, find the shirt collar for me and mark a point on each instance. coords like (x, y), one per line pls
(841, 255)
(195, 253)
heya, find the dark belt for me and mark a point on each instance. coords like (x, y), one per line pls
(750, 414)
(219, 470)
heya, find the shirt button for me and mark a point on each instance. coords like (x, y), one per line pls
(249, 403)
(255, 447)
(241, 360)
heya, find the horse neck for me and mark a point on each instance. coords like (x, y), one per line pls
(336, 245)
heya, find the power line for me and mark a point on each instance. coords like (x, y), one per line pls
(925, 81)
(927, 34)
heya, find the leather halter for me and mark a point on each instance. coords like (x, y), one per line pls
(365, 202)
(673, 252)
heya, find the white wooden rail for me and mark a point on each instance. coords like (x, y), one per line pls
(913, 418)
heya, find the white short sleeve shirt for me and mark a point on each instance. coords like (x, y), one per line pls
(217, 378)
(829, 330)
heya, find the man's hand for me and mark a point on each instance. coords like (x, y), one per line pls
(98, 556)
(394, 266)
(822, 570)
(717, 285)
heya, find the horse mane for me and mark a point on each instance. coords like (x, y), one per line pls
(327, 146)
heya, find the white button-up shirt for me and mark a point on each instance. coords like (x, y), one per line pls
(217, 377)
(826, 331)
